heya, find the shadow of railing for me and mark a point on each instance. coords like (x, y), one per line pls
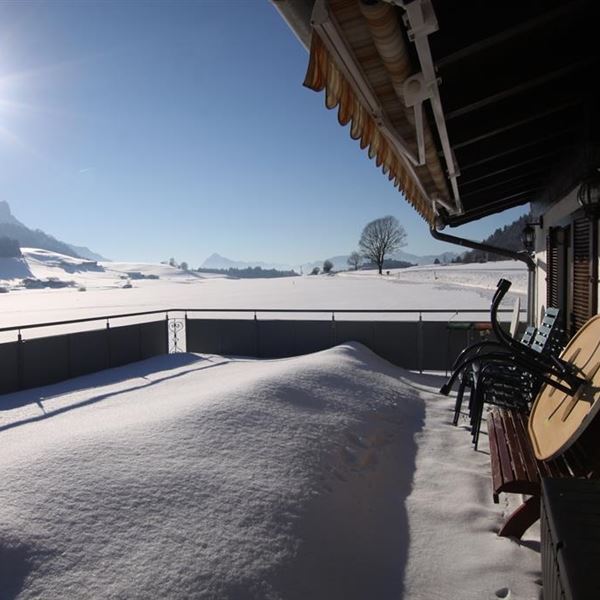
(136, 374)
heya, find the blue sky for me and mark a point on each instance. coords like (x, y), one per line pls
(146, 130)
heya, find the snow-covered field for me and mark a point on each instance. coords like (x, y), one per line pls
(327, 476)
(103, 289)
(475, 275)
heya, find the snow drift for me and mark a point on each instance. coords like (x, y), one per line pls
(189, 476)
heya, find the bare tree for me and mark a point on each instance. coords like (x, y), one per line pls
(354, 260)
(327, 266)
(381, 237)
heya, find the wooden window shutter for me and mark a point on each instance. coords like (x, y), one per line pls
(582, 273)
(552, 266)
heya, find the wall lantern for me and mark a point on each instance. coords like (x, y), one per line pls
(528, 235)
(588, 194)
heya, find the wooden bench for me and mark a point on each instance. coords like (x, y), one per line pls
(516, 470)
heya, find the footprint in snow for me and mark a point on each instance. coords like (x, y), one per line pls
(349, 456)
(368, 459)
(355, 440)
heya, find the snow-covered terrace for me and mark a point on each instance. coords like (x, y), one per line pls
(331, 475)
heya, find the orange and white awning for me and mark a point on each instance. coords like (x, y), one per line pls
(358, 57)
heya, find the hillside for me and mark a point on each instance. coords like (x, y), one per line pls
(34, 238)
(508, 237)
(38, 268)
(11, 227)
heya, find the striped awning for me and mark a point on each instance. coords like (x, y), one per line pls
(469, 108)
(324, 74)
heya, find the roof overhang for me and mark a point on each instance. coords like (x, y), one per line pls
(469, 107)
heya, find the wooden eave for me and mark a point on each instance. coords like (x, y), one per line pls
(517, 84)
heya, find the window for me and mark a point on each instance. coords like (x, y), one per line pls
(583, 301)
(570, 280)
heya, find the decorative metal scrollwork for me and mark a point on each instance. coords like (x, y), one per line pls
(176, 329)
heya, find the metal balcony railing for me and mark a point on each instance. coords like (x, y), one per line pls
(36, 354)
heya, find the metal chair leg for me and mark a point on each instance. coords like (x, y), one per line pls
(478, 415)
(459, 399)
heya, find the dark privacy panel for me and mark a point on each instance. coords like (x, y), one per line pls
(9, 376)
(45, 360)
(41, 361)
(428, 345)
(425, 345)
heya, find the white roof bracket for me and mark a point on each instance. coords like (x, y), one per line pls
(415, 91)
(419, 129)
(421, 21)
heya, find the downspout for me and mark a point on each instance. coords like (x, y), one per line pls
(523, 256)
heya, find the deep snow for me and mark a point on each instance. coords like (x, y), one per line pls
(333, 475)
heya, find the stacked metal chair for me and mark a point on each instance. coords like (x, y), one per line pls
(507, 372)
(469, 377)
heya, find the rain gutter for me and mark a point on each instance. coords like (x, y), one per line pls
(522, 256)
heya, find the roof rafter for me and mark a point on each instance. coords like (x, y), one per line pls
(553, 134)
(527, 161)
(514, 124)
(507, 34)
(518, 89)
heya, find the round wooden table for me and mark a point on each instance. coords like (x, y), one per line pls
(557, 419)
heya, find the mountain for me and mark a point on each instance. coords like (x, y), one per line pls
(29, 238)
(6, 216)
(12, 228)
(216, 261)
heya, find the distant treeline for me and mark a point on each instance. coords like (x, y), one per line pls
(250, 272)
(388, 264)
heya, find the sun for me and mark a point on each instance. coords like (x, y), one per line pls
(12, 110)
